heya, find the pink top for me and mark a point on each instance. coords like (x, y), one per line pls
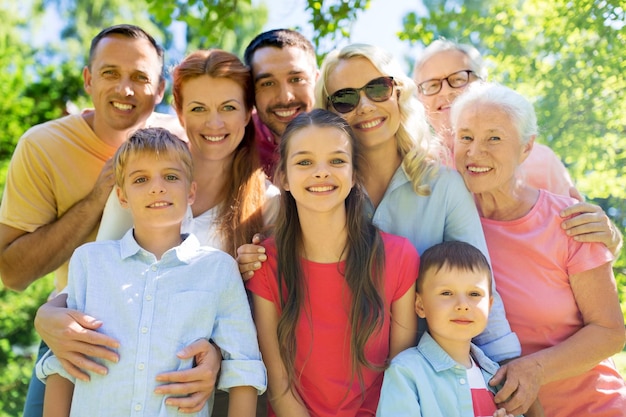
(532, 260)
(327, 385)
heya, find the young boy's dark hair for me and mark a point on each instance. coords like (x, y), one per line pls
(453, 255)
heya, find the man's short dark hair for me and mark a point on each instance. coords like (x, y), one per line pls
(129, 31)
(278, 38)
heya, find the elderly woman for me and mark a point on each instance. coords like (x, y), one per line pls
(560, 294)
(442, 72)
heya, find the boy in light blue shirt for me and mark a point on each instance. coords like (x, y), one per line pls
(446, 375)
(156, 291)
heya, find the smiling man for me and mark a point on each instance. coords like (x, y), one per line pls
(284, 71)
(59, 179)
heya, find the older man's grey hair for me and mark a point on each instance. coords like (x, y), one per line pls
(476, 63)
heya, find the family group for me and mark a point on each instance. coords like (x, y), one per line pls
(301, 241)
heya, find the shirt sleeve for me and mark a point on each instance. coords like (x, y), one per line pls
(48, 365)
(398, 395)
(234, 332)
(28, 201)
(463, 223)
(402, 261)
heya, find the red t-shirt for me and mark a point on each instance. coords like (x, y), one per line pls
(323, 332)
(482, 398)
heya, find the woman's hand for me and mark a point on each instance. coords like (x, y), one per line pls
(72, 336)
(250, 257)
(522, 378)
(190, 389)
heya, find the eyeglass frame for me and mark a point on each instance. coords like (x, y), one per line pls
(388, 79)
(447, 79)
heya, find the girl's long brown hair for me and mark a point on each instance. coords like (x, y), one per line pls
(241, 214)
(364, 250)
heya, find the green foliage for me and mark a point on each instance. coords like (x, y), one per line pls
(84, 19)
(18, 343)
(620, 362)
(15, 57)
(331, 20)
(224, 24)
(566, 55)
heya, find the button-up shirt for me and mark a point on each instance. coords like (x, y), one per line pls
(154, 308)
(426, 381)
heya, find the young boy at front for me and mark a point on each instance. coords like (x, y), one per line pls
(156, 291)
(446, 375)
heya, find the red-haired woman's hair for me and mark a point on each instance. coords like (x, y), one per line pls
(241, 214)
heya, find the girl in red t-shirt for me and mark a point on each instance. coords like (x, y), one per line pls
(335, 299)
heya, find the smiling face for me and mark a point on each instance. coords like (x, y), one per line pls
(284, 79)
(437, 106)
(455, 302)
(156, 190)
(214, 115)
(488, 148)
(374, 123)
(319, 171)
(124, 81)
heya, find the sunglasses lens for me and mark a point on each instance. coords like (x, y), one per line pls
(344, 101)
(379, 89)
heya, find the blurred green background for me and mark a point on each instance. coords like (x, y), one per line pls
(567, 56)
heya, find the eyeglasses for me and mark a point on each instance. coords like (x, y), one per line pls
(346, 99)
(457, 80)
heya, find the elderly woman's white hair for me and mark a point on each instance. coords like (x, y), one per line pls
(516, 106)
(476, 63)
(415, 145)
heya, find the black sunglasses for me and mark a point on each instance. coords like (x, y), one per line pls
(346, 99)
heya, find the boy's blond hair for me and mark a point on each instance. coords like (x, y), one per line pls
(156, 141)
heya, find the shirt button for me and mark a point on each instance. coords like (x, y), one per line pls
(154, 268)
(149, 297)
(462, 381)
(144, 330)
(137, 407)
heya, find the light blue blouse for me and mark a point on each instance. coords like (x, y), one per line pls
(448, 213)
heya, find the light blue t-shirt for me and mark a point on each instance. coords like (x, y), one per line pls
(154, 308)
(448, 213)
